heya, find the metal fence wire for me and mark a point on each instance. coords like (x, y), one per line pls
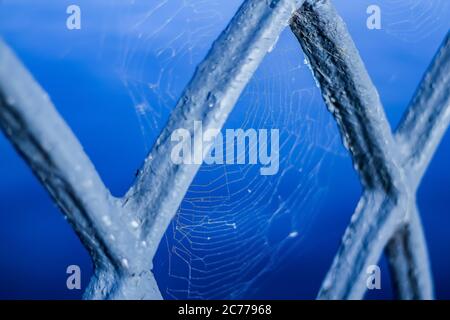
(122, 234)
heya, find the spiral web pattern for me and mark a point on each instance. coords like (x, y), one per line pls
(234, 225)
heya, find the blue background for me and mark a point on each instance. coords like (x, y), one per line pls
(237, 234)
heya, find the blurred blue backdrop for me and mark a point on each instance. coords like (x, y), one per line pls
(237, 234)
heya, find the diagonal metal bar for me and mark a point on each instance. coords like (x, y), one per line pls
(354, 102)
(40, 135)
(420, 132)
(348, 92)
(408, 261)
(209, 98)
(338, 68)
(428, 116)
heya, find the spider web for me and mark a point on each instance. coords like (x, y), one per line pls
(415, 20)
(234, 225)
